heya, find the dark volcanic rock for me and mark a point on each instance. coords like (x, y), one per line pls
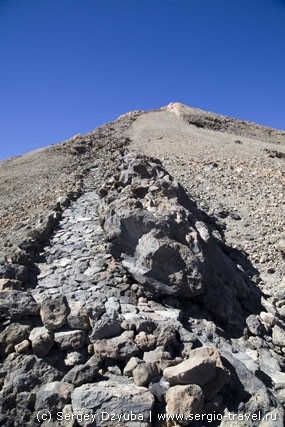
(163, 242)
(18, 304)
(113, 397)
(24, 376)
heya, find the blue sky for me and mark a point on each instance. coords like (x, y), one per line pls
(67, 66)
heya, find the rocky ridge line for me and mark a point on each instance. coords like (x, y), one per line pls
(217, 122)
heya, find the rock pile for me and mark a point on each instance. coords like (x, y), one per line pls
(135, 309)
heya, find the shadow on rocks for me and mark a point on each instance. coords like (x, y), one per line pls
(172, 249)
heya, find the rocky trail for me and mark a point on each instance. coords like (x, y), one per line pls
(133, 303)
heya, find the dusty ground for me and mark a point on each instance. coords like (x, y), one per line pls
(232, 173)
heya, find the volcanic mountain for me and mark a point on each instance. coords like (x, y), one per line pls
(142, 275)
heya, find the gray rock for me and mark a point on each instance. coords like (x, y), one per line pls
(138, 322)
(281, 311)
(14, 271)
(108, 326)
(267, 362)
(171, 314)
(167, 360)
(12, 335)
(42, 341)
(73, 339)
(94, 360)
(159, 387)
(54, 312)
(145, 341)
(25, 373)
(201, 368)
(184, 400)
(154, 356)
(108, 397)
(131, 365)
(120, 348)
(167, 248)
(112, 305)
(166, 335)
(144, 372)
(22, 347)
(94, 308)
(78, 320)
(245, 385)
(250, 364)
(129, 308)
(53, 396)
(18, 304)
(191, 371)
(81, 374)
(278, 336)
(254, 325)
(278, 379)
(268, 320)
(160, 276)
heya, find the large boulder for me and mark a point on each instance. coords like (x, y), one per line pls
(17, 304)
(53, 396)
(165, 266)
(68, 339)
(245, 387)
(81, 374)
(183, 402)
(12, 335)
(278, 336)
(113, 403)
(42, 341)
(109, 325)
(14, 271)
(203, 367)
(164, 242)
(119, 348)
(24, 375)
(54, 312)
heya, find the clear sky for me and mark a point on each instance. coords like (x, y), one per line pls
(67, 66)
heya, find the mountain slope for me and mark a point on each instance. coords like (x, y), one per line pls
(134, 298)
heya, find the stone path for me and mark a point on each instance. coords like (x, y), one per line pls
(68, 265)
